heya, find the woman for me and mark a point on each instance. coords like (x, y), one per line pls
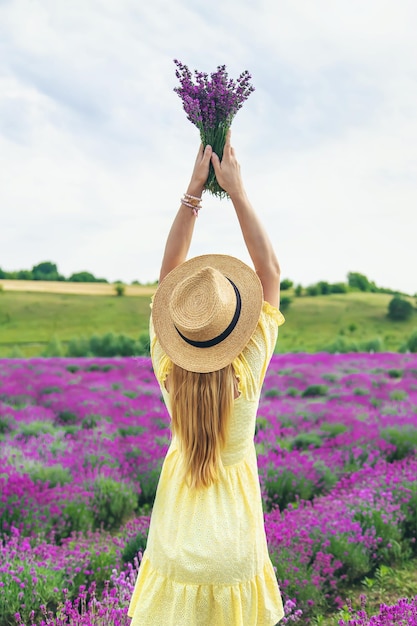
(213, 328)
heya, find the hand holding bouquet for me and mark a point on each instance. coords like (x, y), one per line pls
(211, 102)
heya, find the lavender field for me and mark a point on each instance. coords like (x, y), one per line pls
(82, 442)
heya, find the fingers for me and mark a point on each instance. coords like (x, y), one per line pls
(228, 150)
(199, 155)
(203, 155)
(215, 161)
(207, 154)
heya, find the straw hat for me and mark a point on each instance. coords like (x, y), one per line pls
(205, 311)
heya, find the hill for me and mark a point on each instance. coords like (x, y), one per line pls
(314, 322)
(29, 320)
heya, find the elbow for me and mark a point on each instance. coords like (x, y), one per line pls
(270, 277)
(274, 269)
(270, 274)
(270, 266)
(277, 268)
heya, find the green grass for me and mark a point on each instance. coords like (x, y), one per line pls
(387, 586)
(313, 322)
(28, 321)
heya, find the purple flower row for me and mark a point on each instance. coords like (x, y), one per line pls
(336, 451)
(404, 613)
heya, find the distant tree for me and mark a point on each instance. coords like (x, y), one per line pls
(46, 271)
(46, 267)
(3, 274)
(135, 282)
(394, 292)
(312, 290)
(361, 282)
(338, 288)
(412, 342)
(375, 344)
(399, 309)
(323, 287)
(285, 302)
(53, 348)
(85, 277)
(82, 277)
(24, 275)
(119, 289)
(144, 345)
(286, 284)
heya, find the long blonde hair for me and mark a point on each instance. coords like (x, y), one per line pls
(201, 405)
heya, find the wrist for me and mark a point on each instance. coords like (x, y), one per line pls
(238, 195)
(195, 189)
(192, 201)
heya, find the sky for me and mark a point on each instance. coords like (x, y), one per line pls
(96, 151)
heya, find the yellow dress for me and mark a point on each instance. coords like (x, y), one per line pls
(206, 562)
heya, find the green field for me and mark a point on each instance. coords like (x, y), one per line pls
(29, 321)
(314, 322)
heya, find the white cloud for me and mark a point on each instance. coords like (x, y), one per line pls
(95, 149)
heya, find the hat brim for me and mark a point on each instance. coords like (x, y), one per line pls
(216, 357)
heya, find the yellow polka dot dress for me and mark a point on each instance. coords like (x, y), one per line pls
(206, 562)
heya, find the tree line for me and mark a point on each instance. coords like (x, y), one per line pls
(47, 270)
(355, 282)
(399, 308)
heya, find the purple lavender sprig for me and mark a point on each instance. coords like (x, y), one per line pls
(211, 102)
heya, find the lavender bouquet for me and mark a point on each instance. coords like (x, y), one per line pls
(211, 102)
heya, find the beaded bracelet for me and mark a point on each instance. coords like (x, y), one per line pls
(190, 197)
(193, 202)
(195, 209)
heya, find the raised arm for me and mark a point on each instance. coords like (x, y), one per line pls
(257, 241)
(179, 237)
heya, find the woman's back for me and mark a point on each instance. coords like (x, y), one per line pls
(207, 546)
(206, 562)
(249, 368)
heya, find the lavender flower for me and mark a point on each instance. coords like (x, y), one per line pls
(337, 472)
(403, 613)
(211, 102)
